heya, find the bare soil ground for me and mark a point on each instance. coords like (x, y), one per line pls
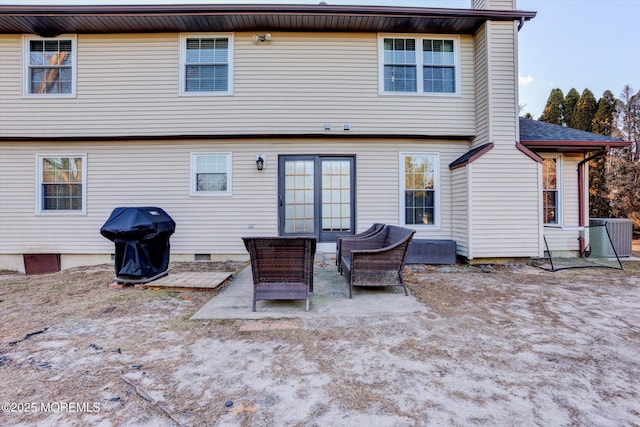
(500, 345)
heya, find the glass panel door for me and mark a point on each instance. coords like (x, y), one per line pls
(299, 197)
(336, 198)
(316, 195)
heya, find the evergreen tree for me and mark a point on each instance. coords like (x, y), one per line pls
(603, 124)
(570, 102)
(599, 204)
(585, 111)
(604, 120)
(528, 116)
(552, 112)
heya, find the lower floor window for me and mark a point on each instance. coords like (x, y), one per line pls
(62, 181)
(550, 191)
(419, 181)
(419, 207)
(211, 174)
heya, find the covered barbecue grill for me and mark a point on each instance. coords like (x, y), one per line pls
(141, 237)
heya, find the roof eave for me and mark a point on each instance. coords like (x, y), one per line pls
(573, 146)
(178, 9)
(58, 19)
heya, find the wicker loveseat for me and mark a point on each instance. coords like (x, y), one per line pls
(376, 260)
(282, 267)
(375, 228)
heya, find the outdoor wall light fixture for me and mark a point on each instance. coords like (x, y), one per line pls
(259, 162)
(262, 38)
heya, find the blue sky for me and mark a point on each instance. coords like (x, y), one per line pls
(592, 44)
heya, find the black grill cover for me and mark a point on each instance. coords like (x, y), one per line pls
(141, 236)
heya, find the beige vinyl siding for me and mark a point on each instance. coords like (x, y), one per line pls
(460, 209)
(503, 70)
(10, 76)
(504, 201)
(127, 84)
(570, 189)
(505, 206)
(496, 84)
(157, 174)
(483, 100)
(561, 241)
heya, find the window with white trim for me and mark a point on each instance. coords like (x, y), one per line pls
(50, 66)
(425, 65)
(400, 69)
(62, 183)
(419, 188)
(551, 190)
(206, 65)
(439, 67)
(210, 174)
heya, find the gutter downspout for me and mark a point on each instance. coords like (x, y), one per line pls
(581, 203)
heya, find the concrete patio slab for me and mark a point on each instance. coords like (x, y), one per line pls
(330, 298)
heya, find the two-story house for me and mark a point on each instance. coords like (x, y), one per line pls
(274, 120)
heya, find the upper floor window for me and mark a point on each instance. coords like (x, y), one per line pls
(206, 66)
(439, 67)
(419, 181)
(419, 65)
(50, 66)
(550, 191)
(62, 183)
(400, 70)
(211, 174)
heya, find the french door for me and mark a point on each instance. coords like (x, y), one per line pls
(316, 196)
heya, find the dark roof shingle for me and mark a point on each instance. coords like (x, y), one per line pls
(542, 136)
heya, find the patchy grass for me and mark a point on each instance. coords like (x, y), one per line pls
(499, 345)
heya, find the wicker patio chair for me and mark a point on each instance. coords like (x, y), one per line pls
(282, 267)
(375, 228)
(377, 260)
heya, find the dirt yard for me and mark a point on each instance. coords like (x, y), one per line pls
(500, 345)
